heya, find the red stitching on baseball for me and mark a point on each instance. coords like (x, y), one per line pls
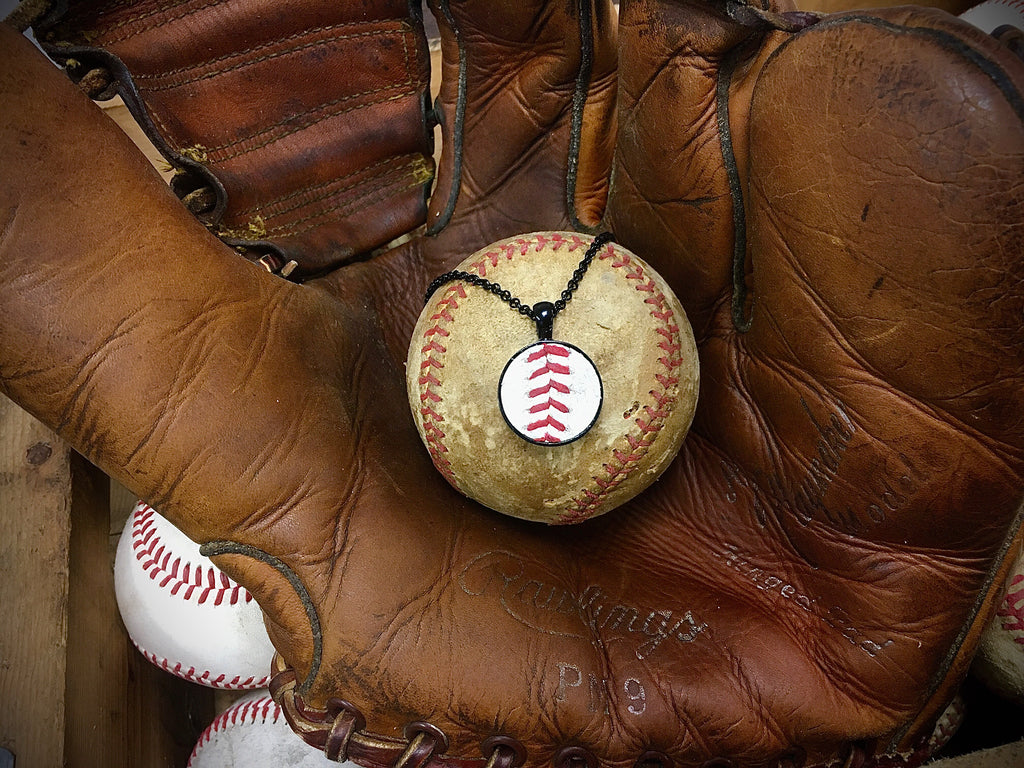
(204, 677)
(434, 351)
(1011, 610)
(583, 506)
(155, 558)
(255, 712)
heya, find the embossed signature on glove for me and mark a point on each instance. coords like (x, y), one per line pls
(555, 610)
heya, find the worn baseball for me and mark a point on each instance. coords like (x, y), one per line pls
(182, 612)
(253, 733)
(559, 429)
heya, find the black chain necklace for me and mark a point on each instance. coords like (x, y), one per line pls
(550, 392)
(543, 312)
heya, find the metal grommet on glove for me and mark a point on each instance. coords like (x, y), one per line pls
(424, 741)
(503, 752)
(347, 719)
(575, 757)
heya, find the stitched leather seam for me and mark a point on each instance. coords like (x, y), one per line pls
(292, 230)
(327, 189)
(74, 12)
(180, 579)
(390, 29)
(248, 63)
(150, 14)
(320, 113)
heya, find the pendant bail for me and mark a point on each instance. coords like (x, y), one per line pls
(544, 316)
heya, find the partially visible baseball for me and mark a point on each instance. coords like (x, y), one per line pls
(999, 663)
(992, 14)
(252, 733)
(563, 430)
(182, 612)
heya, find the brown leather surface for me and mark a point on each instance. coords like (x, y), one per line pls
(307, 119)
(806, 582)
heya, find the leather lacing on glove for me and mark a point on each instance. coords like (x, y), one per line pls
(340, 731)
(268, 212)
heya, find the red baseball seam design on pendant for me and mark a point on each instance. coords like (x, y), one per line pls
(550, 393)
(551, 376)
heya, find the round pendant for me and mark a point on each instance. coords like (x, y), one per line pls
(550, 393)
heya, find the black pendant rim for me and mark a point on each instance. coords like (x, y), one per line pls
(600, 401)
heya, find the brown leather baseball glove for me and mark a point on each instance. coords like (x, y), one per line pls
(837, 201)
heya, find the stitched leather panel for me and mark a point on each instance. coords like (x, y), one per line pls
(310, 116)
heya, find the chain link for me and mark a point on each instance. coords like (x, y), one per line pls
(514, 302)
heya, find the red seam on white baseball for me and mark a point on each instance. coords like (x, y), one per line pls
(639, 442)
(433, 351)
(204, 676)
(1011, 610)
(204, 580)
(254, 733)
(1000, 659)
(184, 614)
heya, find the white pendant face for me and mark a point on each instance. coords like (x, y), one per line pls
(550, 393)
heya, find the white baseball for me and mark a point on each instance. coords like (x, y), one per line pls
(992, 14)
(252, 733)
(1000, 660)
(183, 613)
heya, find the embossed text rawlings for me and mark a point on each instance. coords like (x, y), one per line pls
(837, 201)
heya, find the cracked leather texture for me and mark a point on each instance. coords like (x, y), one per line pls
(809, 577)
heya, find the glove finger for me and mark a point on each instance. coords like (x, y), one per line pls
(681, 142)
(525, 109)
(527, 90)
(298, 135)
(883, 207)
(201, 382)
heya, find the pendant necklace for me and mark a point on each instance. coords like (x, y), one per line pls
(550, 391)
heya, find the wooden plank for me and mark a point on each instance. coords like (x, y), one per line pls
(166, 715)
(35, 498)
(97, 675)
